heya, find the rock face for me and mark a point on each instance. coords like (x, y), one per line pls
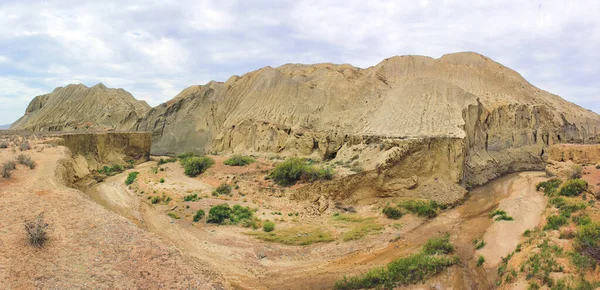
(77, 107)
(505, 123)
(579, 154)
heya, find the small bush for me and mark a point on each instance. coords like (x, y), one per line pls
(555, 222)
(479, 244)
(550, 186)
(239, 160)
(36, 231)
(3, 145)
(165, 161)
(161, 180)
(392, 213)
(154, 169)
(111, 170)
(587, 240)
(439, 246)
(194, 166)
(582, 220)
(294, 169)
(222, 189)
(131, 177)
(191, 197)
(25, 146)
(199, 215)
(268, 226)
(583, 263)
(500, 215)
(480, 261)
(218, 214)
(26, 160)
(356, 169)
(573, 187)
(174, 215)
(576, 172)
(7, 167)
(597, 166)
(155, 199)
(421, 208)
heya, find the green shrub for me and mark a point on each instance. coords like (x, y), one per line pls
(479, 244)
(187, 155)
(194, 166)
(582, 262)
(199, 215)
(7, 167)
(573, 187)
(555, 222)
(500, 215)
(191, 197)
(550, 186)
(598, 166)
(240, 213)
(25, 146)
(576, 172)
(582, 220)
(164, 161)
(356, 169)
(587, 240)
(218, 214)
(111, 170)
(154, 169)
(480, 261)
(294, 169)
(131, 177)
(438, 246)
(161, 180)
(392, 213)
(404, 271)
(239, 160)
(154, 199)
(173, 215)
(222, 189)
(421, 207)
(533, 286)
(3, 145)
(268, 226)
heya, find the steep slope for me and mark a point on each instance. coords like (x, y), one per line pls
(77, 107)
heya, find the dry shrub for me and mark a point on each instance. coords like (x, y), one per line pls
(37, 231)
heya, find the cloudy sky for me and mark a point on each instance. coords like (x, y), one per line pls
(156, 48)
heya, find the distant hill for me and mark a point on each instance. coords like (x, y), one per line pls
(4, 127)
(77, 107)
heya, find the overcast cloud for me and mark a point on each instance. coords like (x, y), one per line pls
(154, 49)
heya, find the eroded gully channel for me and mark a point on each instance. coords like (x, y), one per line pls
(514, 193)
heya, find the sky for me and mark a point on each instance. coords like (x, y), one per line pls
(154, 49)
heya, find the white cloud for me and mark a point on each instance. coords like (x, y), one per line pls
(154, 49)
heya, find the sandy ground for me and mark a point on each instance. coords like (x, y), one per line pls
(88, 246)
(111, 236)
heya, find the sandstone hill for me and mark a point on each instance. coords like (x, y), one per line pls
(77, 107)
(418, 126)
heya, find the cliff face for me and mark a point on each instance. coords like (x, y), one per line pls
(77, 107)
(506, 124)
(579, 154)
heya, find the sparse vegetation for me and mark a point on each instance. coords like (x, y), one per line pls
(7, 167)
(131, 177)
(239, 160)
(222, 189)
(111, 170)
(479, 244)
(25, 146)
(576, 172)
(222, 214)
(573, 187)
(199, 215)
(36, 230)
(550, 187)
(297, 236)
(392, 212)
(26, 160)
(191, 197)
(554, 222)
(268, 226)
(187, 155)
(174, 215)
(155, 199)
(404, 271)
(421, 208)
(294, 169)
(165, 161)
(500, 215)
(361, 230)
(3, 145)
(587, 240)
(439, 246)
(480, 261)
(194, 166)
